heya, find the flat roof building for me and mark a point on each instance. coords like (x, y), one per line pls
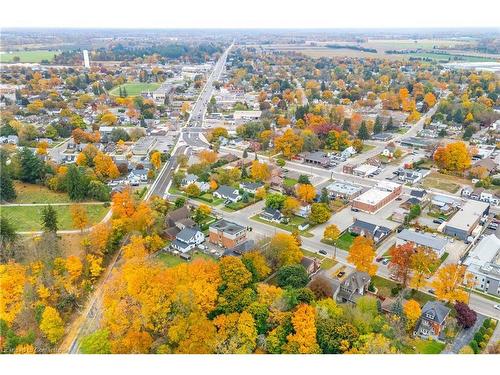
(484, 263)
(466, 219)
(364, 170)
(345, 190)
(437, 244)
(374, 199)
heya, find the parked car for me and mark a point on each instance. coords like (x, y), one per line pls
(202, 247)
(438, 221)
(385, 261)
(354, 209)
(496, 307)
(323, 252)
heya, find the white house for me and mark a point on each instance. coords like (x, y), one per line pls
(228, 193)
(187, 239)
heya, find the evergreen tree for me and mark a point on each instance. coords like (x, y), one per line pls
(8, 239)
(325, 197)
(245, 154)
(378, 127)
(121, 92)
(390, 124)
(76, 183)
(7, 192)
(125, 92)
(363, 132)
(347, 124)
(32, 168)
(49, 219)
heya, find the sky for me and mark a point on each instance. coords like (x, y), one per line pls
(249, 13)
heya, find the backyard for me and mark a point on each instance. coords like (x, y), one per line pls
(171, 260)
(344, 242)
(28, 218)
(444, 182)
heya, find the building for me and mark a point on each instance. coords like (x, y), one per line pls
(143, 146)
(463, 223)
(177, 220)
(251, 187)
(437, 244)
(484, 263)
(317, 158)
(374, 199)
(271, 214)
(372, 231)
(353, 286)
(312, 265)
(344, 190)
(228, 193)
(187, 239)
(432, 320)
(364, 170)
(247, 115)
(226, 234)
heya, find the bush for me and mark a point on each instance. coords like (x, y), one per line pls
(478, 337)
(489, 331)
(474, 346)
(487, 323)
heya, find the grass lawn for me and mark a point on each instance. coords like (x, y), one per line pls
(420, 297)
(432, 182)
(231, 207)
(171, 260)
(326, 262)
(134, 89)
(428, 346)
(28, 218)
(290, 182)
(29, 56)
(345, 241)
(31, 193)
(441, 260)
(367, 148)
(380, 282)
(291, 226)
(450, 57)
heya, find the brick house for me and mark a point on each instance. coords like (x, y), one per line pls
(432, 320)
(226, 234)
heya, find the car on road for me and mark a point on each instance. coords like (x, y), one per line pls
(323, 252)
(354, 209)
(431, 291)
(399, 199)
(493, 226)
(496, 307)
(386, 261)
(438, 221)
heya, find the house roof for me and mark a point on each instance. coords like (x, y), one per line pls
(178, 214)
(436, 310)
(369, 227)
(251, 185)
(227, 191)
(272, 212)
(422, 239)
(186, 234)
(468, 215)
(306, 262)
(418, 193)
(487, 163)
(227, 226)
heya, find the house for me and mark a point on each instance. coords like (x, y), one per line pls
(177, 220)
(316, 158)
(438, 244)
(228, 193)
(240, 249)
(364, 170)
(353, 286)
(411, 176)
(348, 152)
(487, 163)
(389, 150)
(187, 239)
(251, 187)
(137, 175)
(466, 191)
(312, 265)
(419, 194)
(271, 214)
(304, 211)
(384, 137)
(483, 262)
(373, 231)
(399, 215)
(189, 179)
(227, 234)
(13, 139)
(432, 320)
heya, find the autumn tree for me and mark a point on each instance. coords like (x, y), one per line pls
(156, 159)
(52, 325)
(236, 333)
(207, 156)
(105, 167)
(412, 311)
(361, 254)
(320, 213)
(430, 99)
(305, 192)
(303, 338)
(12, 282)
(284, 250)
(447, 283)
(331, 233)
(400, 263)
(453, 157)
(289, 144)
(99, 238)
(422, 262)
(256, 263)
(260, 171)
(290, 206)
(96, 343)
(79, 216)
(192, 190)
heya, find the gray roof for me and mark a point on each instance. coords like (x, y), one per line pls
(227, 226)
(271, 213)
(251, 185)
(227, 191)
(179, 244)
(422, 239)
(435, 311)
(370, 228)
(468, 216)
(186, 234)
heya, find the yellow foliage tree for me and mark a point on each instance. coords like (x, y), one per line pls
(12, 282)
(306, 192)
(260, 171)
(447, 283)
(361, 254)
(52, 325)
(303, 340)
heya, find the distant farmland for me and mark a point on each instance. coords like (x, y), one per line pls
(134, 88)
(28, 56)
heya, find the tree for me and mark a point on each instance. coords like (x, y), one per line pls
(32, 168)
(79, 217)
(192, 190)
(96, 343)
(207, 156)
(412, 311)
(256, 263)
(76, 183)
(12, 283)
(447, 283)
(306, 192)
(49, 219)
(52, 325)
(400, 263)
(294, 276)
(7, 191)
(321, 287)
(156, 159)
(275, 201)
(289, 144)
(466, 317)
(290, 206)
(260, 171)
(303, 338)
(378, 127)
(361, 254)
(104, 166)
(453, 157)
(363, 132)
(331, 233)
(335, 334)
(430, 99)
(284, 250)
(422, 262)
(320, 213)
(8, 239)
(236, 333)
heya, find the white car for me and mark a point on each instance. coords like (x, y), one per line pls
(496, 307)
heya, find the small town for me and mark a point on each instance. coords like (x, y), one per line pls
(249, 192)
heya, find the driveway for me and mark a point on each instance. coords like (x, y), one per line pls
(465, 336)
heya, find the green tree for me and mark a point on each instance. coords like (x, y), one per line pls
(49, 219)
(77, 183)
(320, 213)
(275, 201)
(96, 343)
(8, 239)
(378, 127)
(363, 132)
(294, 276)
(7, 191)
(32, 168)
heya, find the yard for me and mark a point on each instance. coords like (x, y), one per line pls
(28, 218)
(134, 88)
(171, 260)
(28, 56)
(295, 221)
(427, 346)
(326, 262)
(344, 242)
(444, 182)
(239, 205)
(31, 193)
(290, 182)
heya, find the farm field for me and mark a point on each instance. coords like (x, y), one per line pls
(28, 218)
(28, 56)
(134, 89)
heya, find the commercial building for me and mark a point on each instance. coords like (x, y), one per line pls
(437, 244)
(226, 234)
(344, 190)
(143, 145)
(247, 115)
(374, 199)
(364, 170)
(316, 158)
(484, 263)
(463, 223)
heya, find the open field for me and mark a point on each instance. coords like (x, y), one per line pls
(28, 56)
(30, 193)
(446, 57)
(28, 218)
(345, 241)
(134, 89)
(441, 182)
